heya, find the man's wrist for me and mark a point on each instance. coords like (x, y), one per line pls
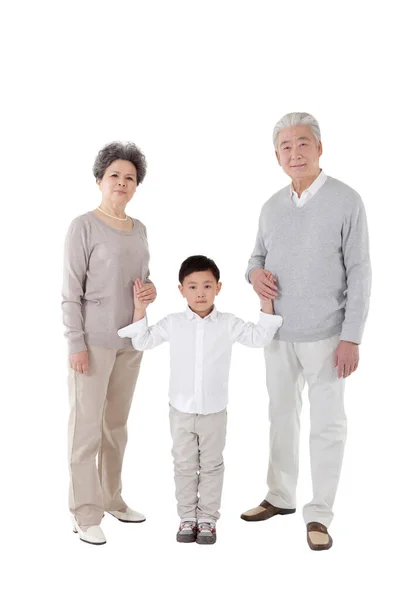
(253, 273)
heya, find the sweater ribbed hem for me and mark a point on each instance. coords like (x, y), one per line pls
(306, 336)
(75, 346)
(352, 333)
(108, 341)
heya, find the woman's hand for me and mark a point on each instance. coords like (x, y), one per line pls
(147, 292)
(79, 362)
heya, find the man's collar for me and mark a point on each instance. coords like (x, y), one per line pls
(192, 315)
(316, 184)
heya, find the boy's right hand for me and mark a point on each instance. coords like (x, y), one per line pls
(137, 285)
(139, 304)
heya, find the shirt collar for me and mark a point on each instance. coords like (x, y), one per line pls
(192, 315)
(314, 187)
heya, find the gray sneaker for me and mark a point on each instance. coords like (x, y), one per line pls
(206, 533)
(187, 532)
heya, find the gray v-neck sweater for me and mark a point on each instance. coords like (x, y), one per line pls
(319, 254)
(100, 266)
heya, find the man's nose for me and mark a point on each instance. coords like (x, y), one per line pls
(296, 154)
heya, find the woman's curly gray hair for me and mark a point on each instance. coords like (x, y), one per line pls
(120, 151)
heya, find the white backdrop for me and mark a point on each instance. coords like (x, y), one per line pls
(199, 87)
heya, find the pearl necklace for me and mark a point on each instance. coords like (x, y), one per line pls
(111, 216)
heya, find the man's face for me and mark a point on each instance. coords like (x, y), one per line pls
(298, 152)
(200, 289)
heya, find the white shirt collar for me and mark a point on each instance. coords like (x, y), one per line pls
(310, 191)
(192, 315)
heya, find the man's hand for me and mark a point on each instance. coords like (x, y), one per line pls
(147, 292)
(346, 358)
(264, 284)
(79, 362)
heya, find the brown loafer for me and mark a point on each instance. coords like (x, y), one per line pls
(318, 537)
(265, 511)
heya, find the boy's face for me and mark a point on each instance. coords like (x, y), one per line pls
(200, 289)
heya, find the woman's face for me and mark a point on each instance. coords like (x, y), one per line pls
(119, 182)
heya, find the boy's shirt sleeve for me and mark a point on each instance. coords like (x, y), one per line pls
(255, 335)
(145, 337)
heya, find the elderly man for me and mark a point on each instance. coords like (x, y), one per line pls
(313, 238)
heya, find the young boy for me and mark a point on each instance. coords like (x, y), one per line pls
(201, 340)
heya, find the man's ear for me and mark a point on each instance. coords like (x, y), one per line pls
(219, 286)
(319, 148)
(277, 158)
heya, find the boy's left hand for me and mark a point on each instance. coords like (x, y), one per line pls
(267, 306)
(266, 303)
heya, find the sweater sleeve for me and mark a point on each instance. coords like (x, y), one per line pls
(76, 259)
(257, 259)
(147, 277)
(357, 265)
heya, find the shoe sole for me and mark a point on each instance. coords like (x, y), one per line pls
(206, 541)
(123, 520)
(284, 511)
(183, 540)
(91, 543)
(319, 547)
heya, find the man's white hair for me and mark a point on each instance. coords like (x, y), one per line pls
(296, 118)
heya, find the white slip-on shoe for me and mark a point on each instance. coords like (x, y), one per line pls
(93, 535)
(128, 516)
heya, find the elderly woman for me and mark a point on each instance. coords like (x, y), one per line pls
(105, 252)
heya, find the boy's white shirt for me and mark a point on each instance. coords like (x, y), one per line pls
(200, 353)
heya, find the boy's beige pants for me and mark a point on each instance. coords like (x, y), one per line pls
(198, 442)
(97, 431)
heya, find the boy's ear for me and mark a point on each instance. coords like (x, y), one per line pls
(180, 288)
(219, 286)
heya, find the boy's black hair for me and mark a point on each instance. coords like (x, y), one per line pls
(197, 263)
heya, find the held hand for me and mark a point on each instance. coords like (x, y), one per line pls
(147, 292)
(264, 284)
(137, 288)
(346, 358)
(79, 362)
